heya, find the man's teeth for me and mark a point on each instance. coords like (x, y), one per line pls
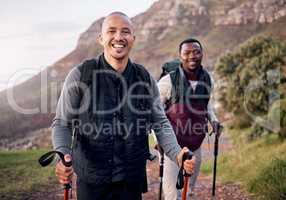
(118, 45)
(192, 61)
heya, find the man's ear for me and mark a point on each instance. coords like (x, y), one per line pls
(202, 55)
(99, 39)
(179, 56)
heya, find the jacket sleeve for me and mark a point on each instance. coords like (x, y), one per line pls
(66, 111)
(162, 127)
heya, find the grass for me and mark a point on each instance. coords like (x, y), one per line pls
(260, 166)
(270, 182)
(21, 175)
(207, 167)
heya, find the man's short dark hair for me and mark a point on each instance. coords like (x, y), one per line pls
(189, 40)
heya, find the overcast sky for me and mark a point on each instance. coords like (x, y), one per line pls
(36, 33)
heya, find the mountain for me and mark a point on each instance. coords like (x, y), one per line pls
(220, 25)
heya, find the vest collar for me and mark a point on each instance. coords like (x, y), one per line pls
(107, 66)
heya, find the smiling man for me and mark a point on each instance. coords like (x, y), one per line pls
(117, 38)
(186, 93)
(114, 103)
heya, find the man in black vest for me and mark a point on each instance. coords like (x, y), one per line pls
(185, 92)
(115, 103)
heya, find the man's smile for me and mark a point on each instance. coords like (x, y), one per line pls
(118, 46)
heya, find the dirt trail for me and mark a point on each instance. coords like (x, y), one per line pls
(229, 191)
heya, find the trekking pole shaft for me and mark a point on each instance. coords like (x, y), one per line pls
(215, 163)
(214, 178)
(216, 146)
(66, 194)
(67, 186)
(161, 171)
(160, 190)
(161, 175)
(185, 190)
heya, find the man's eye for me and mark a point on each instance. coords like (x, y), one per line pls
(191, 52)
(111, 31)
(126, 32)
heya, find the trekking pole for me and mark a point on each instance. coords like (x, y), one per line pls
(215, 163)
(183, 176)
(161, 170)
(187, 156)
(217, 133)
(67, 187)
(48, 158)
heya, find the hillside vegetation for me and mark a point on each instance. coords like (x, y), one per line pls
(254, 94)
(259, 166)
(254, 89)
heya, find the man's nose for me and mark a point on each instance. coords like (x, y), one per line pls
(191, 56)
(118, 35)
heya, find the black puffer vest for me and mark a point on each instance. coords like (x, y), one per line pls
(93, 152)
(187, 108)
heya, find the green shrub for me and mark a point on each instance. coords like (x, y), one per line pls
(255, 79)
(270, 183)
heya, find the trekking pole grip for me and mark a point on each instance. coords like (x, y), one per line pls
(187, 156)
(48, 158)
(182, 172)
(67, 186)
